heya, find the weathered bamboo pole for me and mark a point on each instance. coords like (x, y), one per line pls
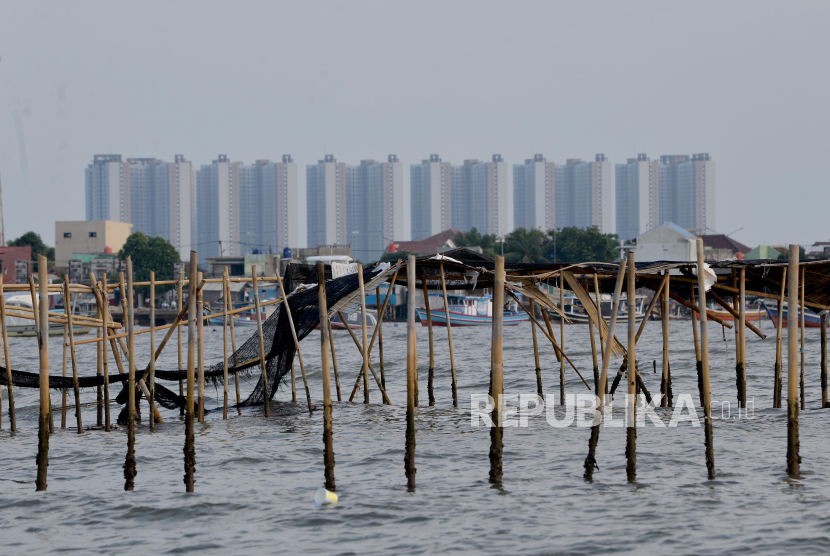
(824, 359)
(598, 296)
(536, 355)
(225, 301)
(631, 378)
(190, 412)
(665, 383)
(328, 457)
(333, 363)
(696, 338)
(43, 348)
(704, 351)
(364, 370)
(100, 361)
(431, 375)
(200, 335)
(129, 464)
(266, 392)
(411, 365)
(7, 358)
(68, 310)
(371, 367)
(562, 340)
(736, 314)
(179, 330)
(100, 292)
(497, 373)
(233, 348)
(379, 329)
(63, 365)
(287, 310)
(590, 460)
(742, 338)
(152, 350)
(801, 316)
(793, 457)
(651, 305)
(449, 337)
(779, 363)
(37, 314)
(593, 350)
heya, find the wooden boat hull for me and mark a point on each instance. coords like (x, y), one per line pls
(811, 319)
(583, 319)
(439, 318)
(751, 316)
(29, 330)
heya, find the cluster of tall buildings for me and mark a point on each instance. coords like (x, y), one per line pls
(232, 208)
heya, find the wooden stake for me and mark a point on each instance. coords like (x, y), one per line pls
(696, 339)
(233, 348)
(287, 310)
(100, 360)
(190, 412)
(704, 351)
(43, 348)
(36, 315)
(665, 383)
(129, 464)
(631, 378)
(365, 368)
(200, 334)
(449, 336)
(152, 350)
(328, 457)
(411, 365)
(824, 359)
(333, 362)
(67, 304)
(793, 457)
(12, 416)
(380, 337)
(63, 362)
(101, 297)
(777, 386)
(225, 308)
(536, 354)
(742, 339)
(179, 329)
(371, 367)
(497, 373)
(431, 375)
(598, 295)
(266, 392)
(801, 314)
(562, 340)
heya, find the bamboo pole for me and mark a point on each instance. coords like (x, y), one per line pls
(598, 296)
(190, 412)
(824, 359)
(696, 339)
(364, 370)
(742, 339)
(179, 330)
(651, 305)
(7, 358)
(328, 457)
(536, 355)
(333, 362)
(631, 378)
(411, 365)
(63, 364)
(379, 329)
(723, 303)
(665, 383)
(152, 350)
(225, 301)
(593, 349)
(449, 338)
(68, 310)
(371, 367)
(266, 392)
(801, 315)
(497, 373)
(100, 361)
(233, 348)
(100, 293)
(704, 351)
(431, 376)
(43, 348)
(37, 318)
(129, 464)
(200, 335)
(562, 340)
(590, 460)
(287, 309)
(777, 386)
(793, 457)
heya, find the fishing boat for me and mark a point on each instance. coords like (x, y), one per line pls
(23, 327)
(811, 318)
(467, 311)
(576, 313)
(754, 312)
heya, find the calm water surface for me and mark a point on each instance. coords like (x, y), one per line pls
(256, 477)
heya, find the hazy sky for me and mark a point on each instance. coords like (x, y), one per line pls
(747, 82)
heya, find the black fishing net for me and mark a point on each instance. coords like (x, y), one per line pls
(278, 341)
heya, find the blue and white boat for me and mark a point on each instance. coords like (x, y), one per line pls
(811, 318)
(466, 311)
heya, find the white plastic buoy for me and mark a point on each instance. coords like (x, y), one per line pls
(324, 498)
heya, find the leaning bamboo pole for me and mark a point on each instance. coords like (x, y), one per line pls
(101, 298)
(380, 336)
(129, 464)
(266, 392)
(793, 457)
(371, 367)
(77, 391)
(328, 457)
(364, 370)
(497, 373)
(598, 295)
(536, 354)
(704, 351)
(7, 358)
(631, 378)
(43, 348)
(431, 375)
(411, 365)
(287, 310)
(777, 385)
(449, 337)
(190, 413)
(333, 364)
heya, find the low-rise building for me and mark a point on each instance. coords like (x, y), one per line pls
(14, 264)
(88, 237)
(666, 242)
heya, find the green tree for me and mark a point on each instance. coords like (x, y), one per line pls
(525, 246)
(150, 254)
(393, 257)
(575, 245)
(473, 238)
(802, 254)
(36, 243)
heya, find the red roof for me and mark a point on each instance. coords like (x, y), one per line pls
(720, 241)
(429, 245)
